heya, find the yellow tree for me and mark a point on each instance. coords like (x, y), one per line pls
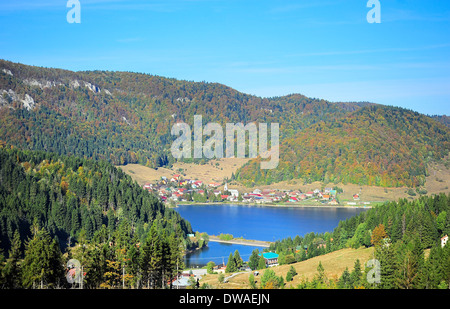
(378, 234)
(112, 275)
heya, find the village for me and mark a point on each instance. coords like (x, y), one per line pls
(178, 189)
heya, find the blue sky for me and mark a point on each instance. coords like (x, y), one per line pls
(323, 48)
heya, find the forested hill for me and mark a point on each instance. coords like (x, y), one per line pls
(444, 119)
(67, 195)
(375, 145)
(125, 117)
(406, 236)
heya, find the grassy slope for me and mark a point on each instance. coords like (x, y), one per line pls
(209, 172)
(334, 264)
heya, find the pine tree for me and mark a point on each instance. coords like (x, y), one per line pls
(345, 280)
(43, 261)
(12, 268)
(291, 273)
(269, 280)
(55, 264)
(321, 277)
(261, 262)
(176, 252)
(385, 254)
(446, 265)
(433, 268)
(253, 260)
(251, 281)
(2, 267)
(238, 260)
(133, 260)
(231, 265)
(151, 257)
(356, 274)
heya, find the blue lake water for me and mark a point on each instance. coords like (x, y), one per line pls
(256, 222)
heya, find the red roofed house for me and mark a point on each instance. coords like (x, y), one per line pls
(175, 178)
(326, 197)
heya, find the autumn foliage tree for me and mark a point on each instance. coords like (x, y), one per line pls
(378, 234)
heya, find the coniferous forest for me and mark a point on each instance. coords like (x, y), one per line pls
(56, 208)
(53, 208)
(406, 236)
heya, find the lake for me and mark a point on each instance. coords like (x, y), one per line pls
(256, 222)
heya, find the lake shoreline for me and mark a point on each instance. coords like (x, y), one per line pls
(256, 224)
(272, 205)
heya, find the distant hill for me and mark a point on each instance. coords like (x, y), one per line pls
(375, 145)
(125, 117)
(444, 119)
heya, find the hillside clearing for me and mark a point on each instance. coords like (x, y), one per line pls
(212, 171)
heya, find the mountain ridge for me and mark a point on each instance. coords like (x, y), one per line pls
(135, 105)
(376, 145)
(126, 117)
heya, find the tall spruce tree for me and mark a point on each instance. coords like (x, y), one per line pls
(385, 254)
(253, 260)
(42, 265)
(261, 262)
(238, 260)
(12, 270)
(231, 264)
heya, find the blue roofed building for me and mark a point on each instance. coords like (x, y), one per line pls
(271, 258)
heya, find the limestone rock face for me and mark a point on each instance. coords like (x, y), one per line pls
(7, 97)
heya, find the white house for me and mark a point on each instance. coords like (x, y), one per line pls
(444, 241)
(234, 193)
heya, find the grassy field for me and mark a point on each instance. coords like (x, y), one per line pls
(213, 171)
(334, 264)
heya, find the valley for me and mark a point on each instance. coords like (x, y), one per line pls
(155, 146)
(79, 147)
